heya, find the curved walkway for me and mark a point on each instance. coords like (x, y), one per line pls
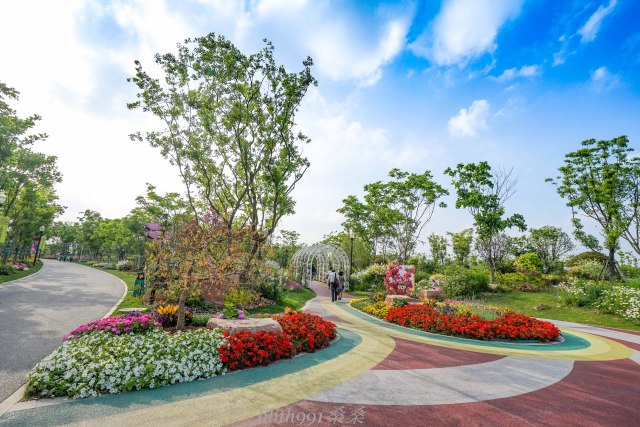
(37, 311)
(378, 374)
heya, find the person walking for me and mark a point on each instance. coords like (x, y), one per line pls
(333, 284)
(340, 284)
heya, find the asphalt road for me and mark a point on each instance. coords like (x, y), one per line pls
(38, 311)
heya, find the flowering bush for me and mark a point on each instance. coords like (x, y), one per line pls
(578, 293)
(399, 282)
(245, 349)
(124, 265)
(511, 326)
(18, 265)
(306, 331)
(622, 301)
(167, 315)
(131, 323)
(102, 362)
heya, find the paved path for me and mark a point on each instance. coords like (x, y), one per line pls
(378, 374)
(36, 312)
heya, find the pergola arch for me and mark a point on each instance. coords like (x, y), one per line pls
(314, 262)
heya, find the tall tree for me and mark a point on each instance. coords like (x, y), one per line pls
(599, 182)
(228, 125)
(551, 244)
(438, 247)
(484, 192)
(396, 210)
(461, 245)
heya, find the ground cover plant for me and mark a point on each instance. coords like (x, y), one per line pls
(8, 272)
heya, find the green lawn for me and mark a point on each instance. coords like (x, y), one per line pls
(129, 301)
(295, 299)
(359, 294)
(523, 302)
(20, 274)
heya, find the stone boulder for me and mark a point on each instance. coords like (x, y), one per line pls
(426, 294)
(245, 325)
(391, 298)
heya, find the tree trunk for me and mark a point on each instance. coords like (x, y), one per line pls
(492, 266)
(612, 265)
(181, 309)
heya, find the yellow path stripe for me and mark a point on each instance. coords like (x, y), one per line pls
(600, 348)
(247, 402)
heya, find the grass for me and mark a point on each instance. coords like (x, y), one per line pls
(523, 302)
(295, 299)
(129, 301)
(360, 294)
(20, 274)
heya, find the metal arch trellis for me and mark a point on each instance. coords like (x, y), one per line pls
(314, 262)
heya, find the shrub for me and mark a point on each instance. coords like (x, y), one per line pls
(578, 293)
(101, 362)
(459, 280)
(371, 278)
(512, 280)
(622, 301)
(421, 275)
(6, 270)
(200, 320)
(124, 265)
(586, 269)
(241, 298)
(587, 256)
(528, 262)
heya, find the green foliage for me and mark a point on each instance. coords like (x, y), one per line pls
(241, 298)
(586, 270)
(230, 121)
(461, 245)
(371, 278)
(551, 244)
(622, 301)
(578, 293)
(529, 262)
(438, 247)
(600, 182)
(200, 320)
(587, 256)
(484, 192)
(362, 250)
(462, 281)
(395, 212)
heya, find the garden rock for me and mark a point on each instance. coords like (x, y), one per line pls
(426, 294)
(391, 298)
(246, 325)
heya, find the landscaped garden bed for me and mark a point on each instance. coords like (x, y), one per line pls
(459, 319)
(134, 351)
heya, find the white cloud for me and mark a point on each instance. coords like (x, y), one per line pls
(524, 71)
(602, 80)
(590, 29)
(470, 121)
(465, 30)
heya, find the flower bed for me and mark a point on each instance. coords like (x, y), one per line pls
(461, 319)
(132, 322)
(307, 332)
(302, 332)
(123, 353)
(509, 326)
(101, 361)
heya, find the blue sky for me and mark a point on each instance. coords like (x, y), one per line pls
(410, 84)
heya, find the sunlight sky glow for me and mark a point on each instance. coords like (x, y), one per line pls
(410, 84)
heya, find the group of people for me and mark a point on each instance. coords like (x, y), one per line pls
(336, 284)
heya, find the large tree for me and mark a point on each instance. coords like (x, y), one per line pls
(438, 247)
(551, 244)
(26, 177)
(599, 182)
(394, 212)
(461, 245)
(228, 125)
(484, 193)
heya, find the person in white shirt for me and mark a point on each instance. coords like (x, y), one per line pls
(334, 283)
